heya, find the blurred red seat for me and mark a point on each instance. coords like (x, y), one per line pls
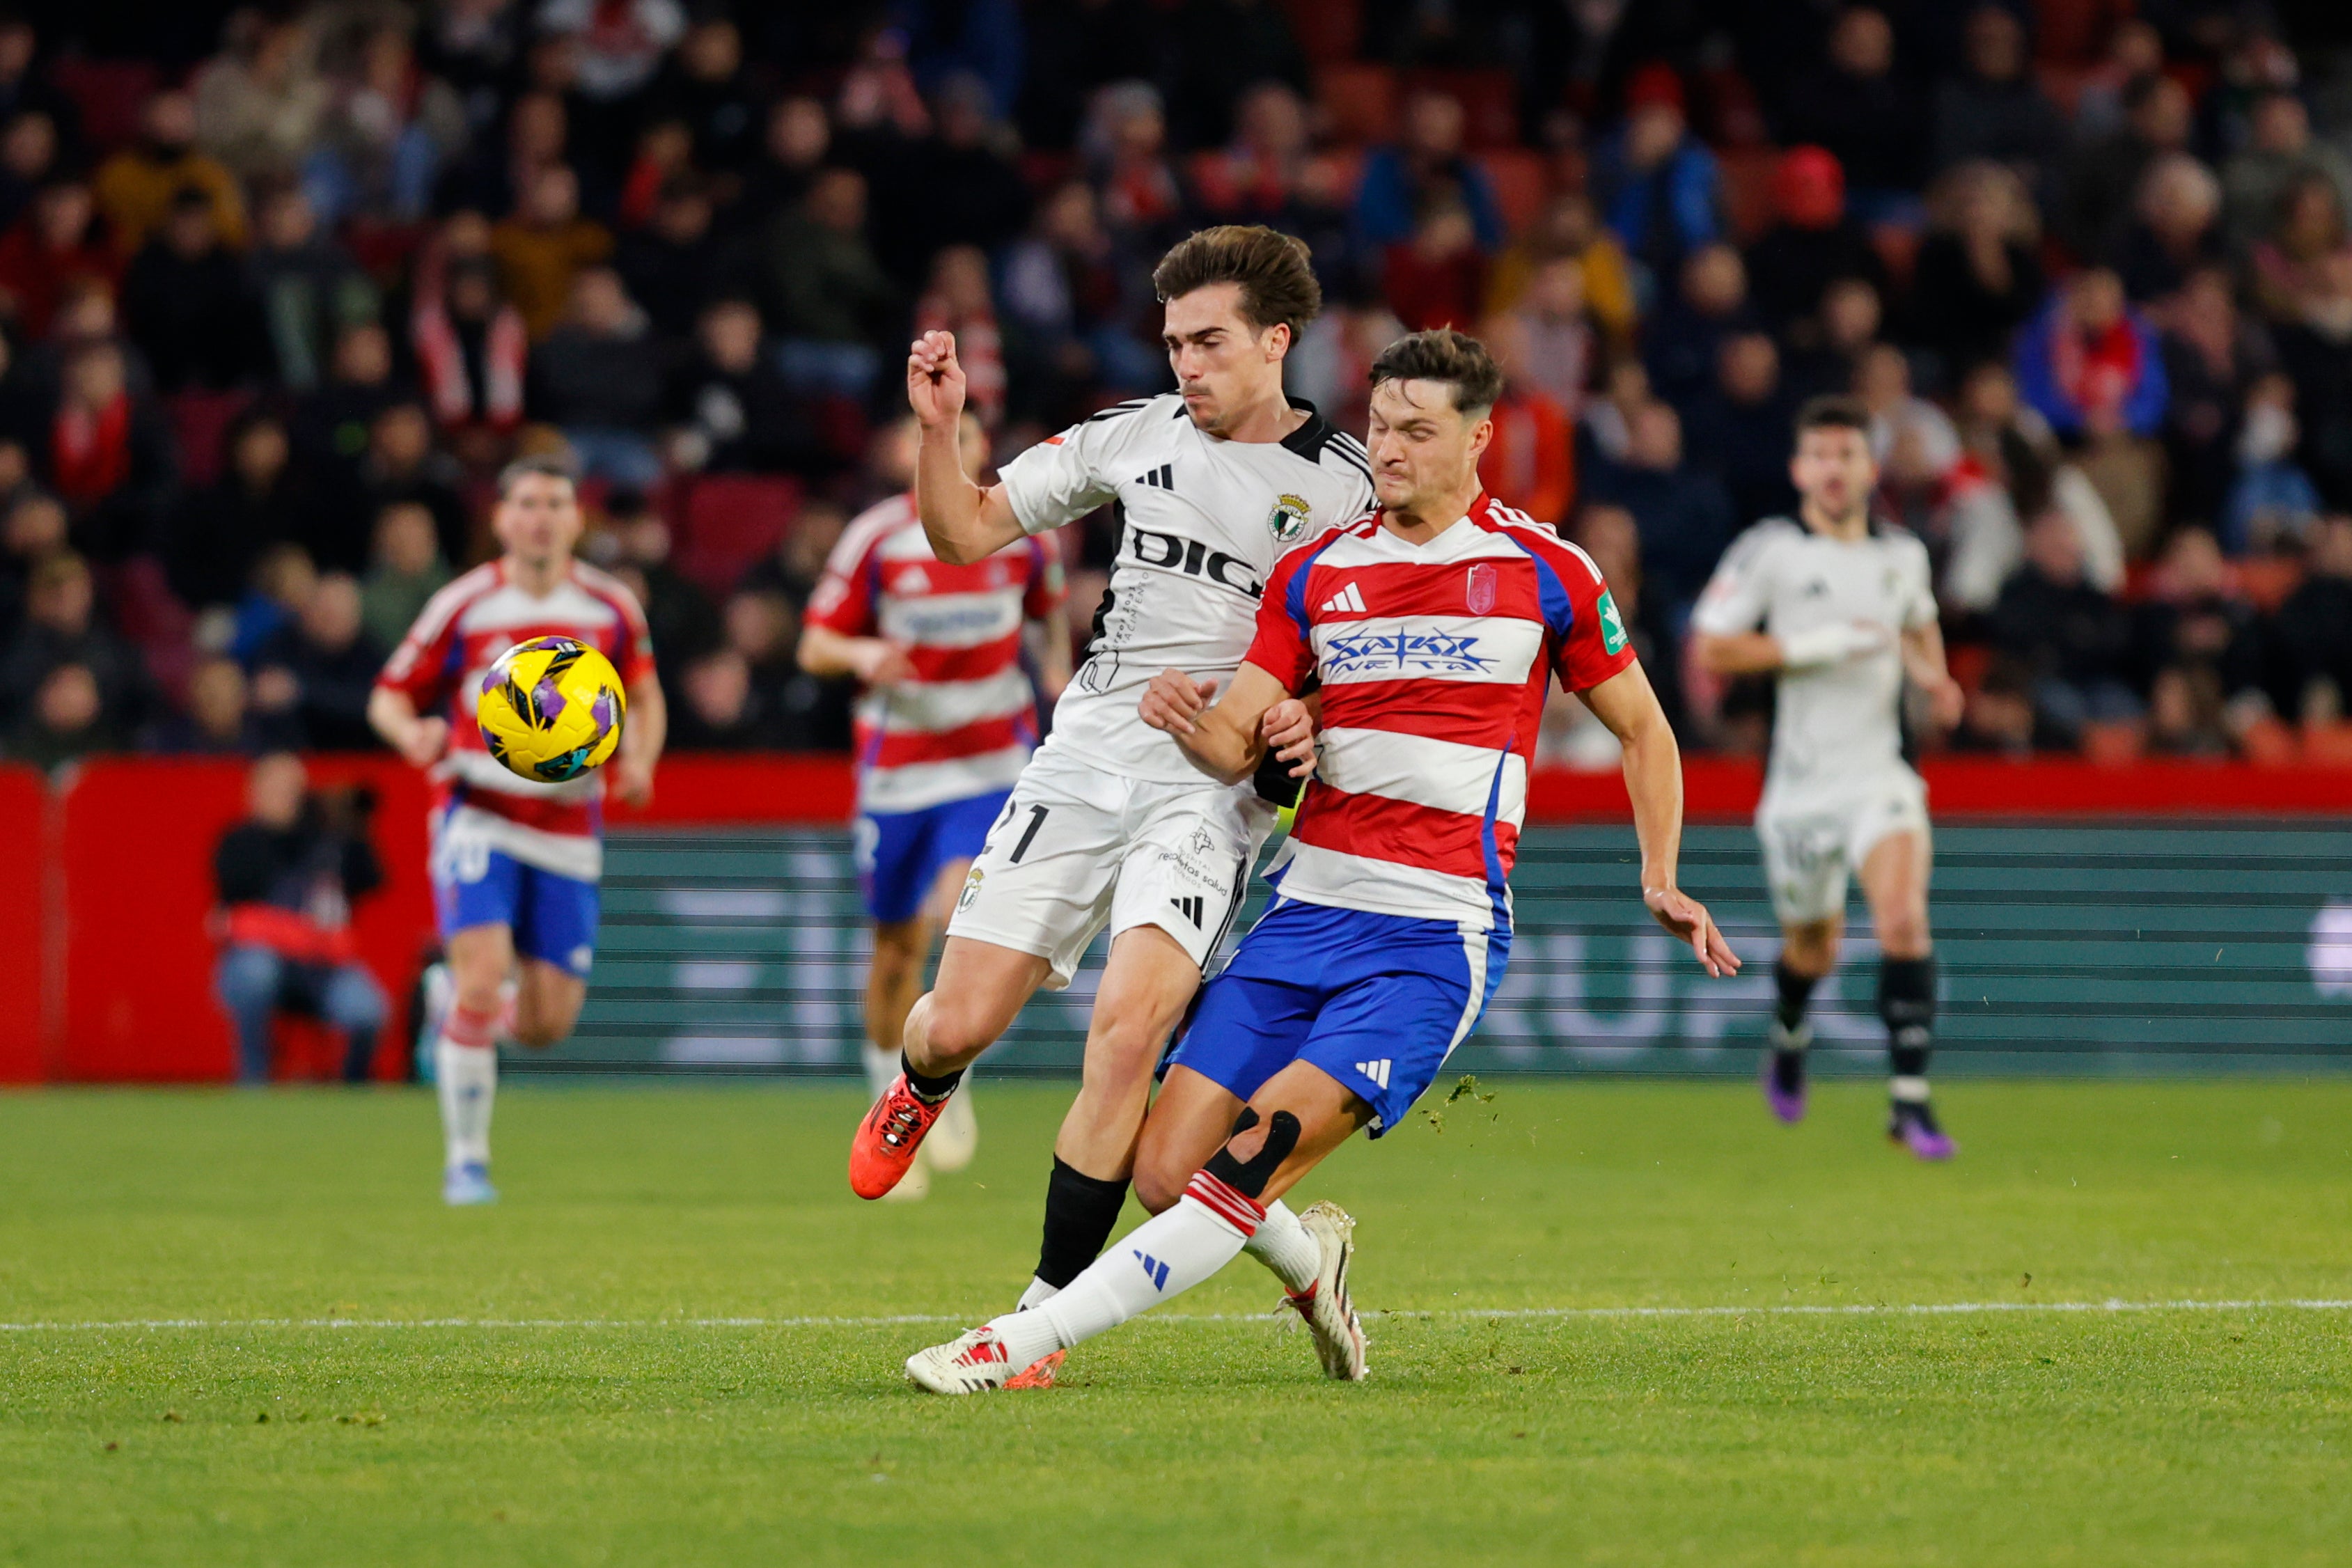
(1358, 101)
(200, 421)
(109, 95)
(1327, 30)
(725, 521)
(1489, 100)
(1520, 183)
(1747, 182)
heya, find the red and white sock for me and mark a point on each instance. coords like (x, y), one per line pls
(466, 1072)
(1164, 1257)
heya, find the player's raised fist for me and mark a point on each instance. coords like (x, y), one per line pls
(935, 380)
(1174, 700)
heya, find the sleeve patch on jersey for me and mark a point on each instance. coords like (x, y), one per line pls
(1613, 626)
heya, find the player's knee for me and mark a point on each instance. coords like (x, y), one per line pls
(953, 1030)
(1810, 949)
(1158, 1184)
(540, 1030)
(1904, 934)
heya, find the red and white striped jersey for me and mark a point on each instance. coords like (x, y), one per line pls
(1434, 659)
(968, 720)
(439, 666)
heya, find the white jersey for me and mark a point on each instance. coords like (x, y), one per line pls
(1201, 523)
(1835, 723)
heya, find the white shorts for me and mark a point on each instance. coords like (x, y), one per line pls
(1076, 848)
(1813, 843)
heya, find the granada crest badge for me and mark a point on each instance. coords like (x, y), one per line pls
(1289, 519)
(1480, 591)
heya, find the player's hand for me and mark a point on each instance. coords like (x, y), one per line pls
(1947, 701)
(1289, 730)
(935, 381)
(1174, 700)
(878, 662)
(1688, 920)
(426, 743)
(632, 780)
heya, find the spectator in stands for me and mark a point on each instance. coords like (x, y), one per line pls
(28, 160)
(1994, 109)
(1913, 441)
(797, 138)
(801, 712)
(959, 186)
(1124, 149)
(1222, 48)
(282, 582)
(136, 187)
(2073, 641)
(187, 304)
(329, 423)
(2010, 469)
(1656, 186)
(2272, 501)
(106, 454)
(1256, 177)
(2089, 364)
(2197, 645)
(50, 246)
(497, 175)
(388, 131)
(2280, 151)
(544, 246)
(2316, 351)
(2135, 50)
(1063, 311)
(831, 297)
(2106, 171)
(2175, 229)
(1824, 353)
(1425, 167)
(1684, 336)
(314, 676)
(65, 721)
(706, 87)
(1551, 316)
(2311, 632)
(720, 710)
(1813, 242)
(218, 721)
(2292, 266)
(32, 528)
(727, 409)
(287, 878)
(260, 101)
(1978, 276)
(1739, 427)
(62, 627)
(1867, 117)
(217, 533)
(681, 617)
(1569, 229)
(1532, 456)
(619, 43)
(2213, 355)
(601, 378)
(957, 300)
(405, 568)
(673, 263)
(26, 90)
(1436, 278)
(1684, 513)
(473, 350)
(793, 568)
(306, 286)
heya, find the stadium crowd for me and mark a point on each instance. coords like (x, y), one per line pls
(270, 314)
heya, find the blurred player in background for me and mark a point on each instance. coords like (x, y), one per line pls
(945, 721)
(1846, 612)
(1110, 825)
(1435, 628)
(515, 863)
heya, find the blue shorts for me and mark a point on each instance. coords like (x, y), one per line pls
(1378, 1002)
(900, 853)
(553, 918)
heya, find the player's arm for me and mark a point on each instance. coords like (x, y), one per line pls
(419, 738)
(1654, 782)
(643, 736)
(1761, 653)
(1229, 740)
(965, 523)
(877, 661)
(1049, 644)
(1923, 660)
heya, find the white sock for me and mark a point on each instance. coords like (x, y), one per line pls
(881, 1067)
(468, 1079)
(1164, 1257)
(1283, 1245)
(1036, 1295)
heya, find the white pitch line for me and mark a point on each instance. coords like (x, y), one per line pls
(1857, 1309)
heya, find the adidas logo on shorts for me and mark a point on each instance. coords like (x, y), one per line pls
(1377, 1071)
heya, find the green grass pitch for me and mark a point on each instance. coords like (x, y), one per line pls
(543, 1383)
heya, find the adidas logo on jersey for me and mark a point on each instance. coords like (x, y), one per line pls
(1190, 908)
(1377, 1071)
(913, 580)
(1153, 1269)
(1348, 601)
(1162, 478)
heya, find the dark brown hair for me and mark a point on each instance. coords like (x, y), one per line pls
(514, 473)
(1832, 410)
(1444, 354)
(1277, 284)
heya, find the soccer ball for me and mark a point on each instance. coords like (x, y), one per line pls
(550, 709)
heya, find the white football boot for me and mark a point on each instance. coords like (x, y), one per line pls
(974, 1362)
(954, 1138)
(1330, 1315)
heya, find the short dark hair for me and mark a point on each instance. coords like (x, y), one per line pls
(1444, 354)
(549, 464)
(1832, 410)
(1274, 271)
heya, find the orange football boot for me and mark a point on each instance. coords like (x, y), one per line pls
(887, 1140)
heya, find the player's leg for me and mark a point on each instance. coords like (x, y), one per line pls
(957, 832)
(466, 1056)
(883, 847)
(1895, 874)
(555, 947)
(1805, 870)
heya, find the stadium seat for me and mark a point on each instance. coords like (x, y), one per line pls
(1747, 182)
(1327, 30)
(109, 95)
(725, 521)
(1358, 100)
(2268, 741)
(2328, 745)
(2114, 742)
(2267, 580)
(1521, 182)
(1969, 663)
(1489, 100)
(2075, 30)
(200, 421)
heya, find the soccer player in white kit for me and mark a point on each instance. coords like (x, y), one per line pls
(1110, 824)
(1841, 609)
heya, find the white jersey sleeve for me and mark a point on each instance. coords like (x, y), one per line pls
(1738, 595)
(1064, 477)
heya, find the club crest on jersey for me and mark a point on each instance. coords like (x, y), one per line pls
(1289, 519)
(1481, 592)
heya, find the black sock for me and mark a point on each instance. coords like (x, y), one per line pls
(1080, 1211)
(1796, 993)
(1906, 1002)
(927, 1087)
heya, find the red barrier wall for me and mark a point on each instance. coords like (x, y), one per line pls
(126, 853)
